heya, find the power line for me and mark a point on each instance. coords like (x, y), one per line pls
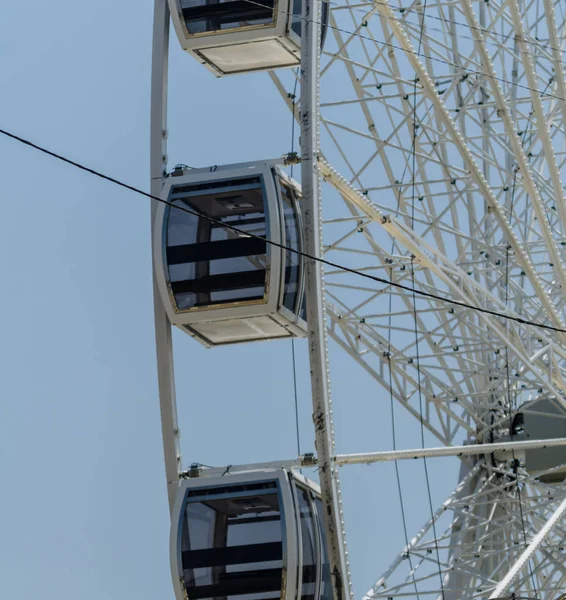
(394, 439)
(323, 261)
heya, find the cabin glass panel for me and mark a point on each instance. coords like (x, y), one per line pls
(207, 263)
(308, 537)
(292, 259)
(209, 16)
(232, 543)
(326, 592)
(297, 14)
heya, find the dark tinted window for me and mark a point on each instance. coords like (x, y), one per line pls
(292, 259)
(202, 16)
(297, 19)
(308, 534)
(232, 546)
(326, 581)
(303, 311)
(211, 264)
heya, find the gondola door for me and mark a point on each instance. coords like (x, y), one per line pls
(235, 539)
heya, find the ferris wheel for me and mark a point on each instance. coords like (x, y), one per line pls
(442, 235)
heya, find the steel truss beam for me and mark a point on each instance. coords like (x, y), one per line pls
(484, 92)
(309, 460)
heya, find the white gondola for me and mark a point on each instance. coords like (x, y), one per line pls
(225, 285)
(238, 36)
(250, 536)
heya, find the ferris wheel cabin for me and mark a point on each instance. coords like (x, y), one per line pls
(219, 278)
(257, 535)
(238, 36)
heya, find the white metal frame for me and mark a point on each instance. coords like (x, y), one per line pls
(158, 168)
(523, 560)
(280, 32)
(316, 310)
(366, 458)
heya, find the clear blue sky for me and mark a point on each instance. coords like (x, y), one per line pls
(83, 502)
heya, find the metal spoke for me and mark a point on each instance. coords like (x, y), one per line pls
(482, 217)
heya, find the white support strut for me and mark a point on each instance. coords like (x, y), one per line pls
(158, 160)
(384, 456)
(504, 584)
(315, 306)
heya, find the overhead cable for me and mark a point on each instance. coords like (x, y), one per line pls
(415, 318)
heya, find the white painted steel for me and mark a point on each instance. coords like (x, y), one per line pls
(158, 160)
(470, 450)
(315, 308)
(523, 560)
(384, 456)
